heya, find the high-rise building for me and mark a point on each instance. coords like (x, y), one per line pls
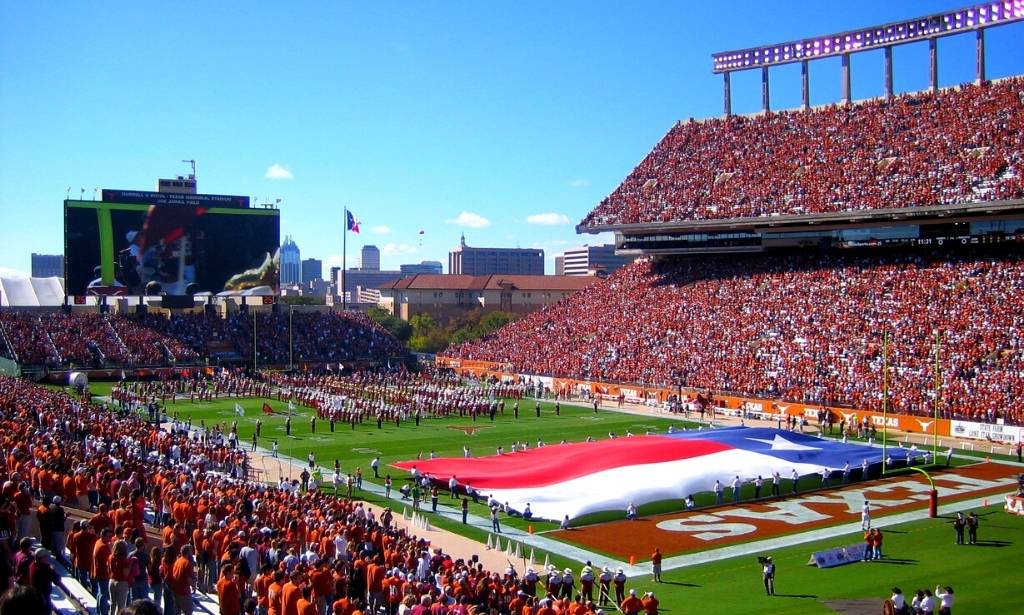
(47, 265)
(465, 260)
(369, 258)
(590, 260)
(421, 267)
(291, 263)
(312, 269)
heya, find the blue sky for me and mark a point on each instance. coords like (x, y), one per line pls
(506, 121)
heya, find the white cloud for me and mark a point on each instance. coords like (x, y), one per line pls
(381, 229)
(398, 248)
(470, 219)
(549, 219)
(10, 272)
(579, 183)
(278, 171)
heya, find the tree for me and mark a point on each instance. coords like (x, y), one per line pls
(398, 327)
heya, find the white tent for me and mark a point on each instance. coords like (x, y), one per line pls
(31, 292)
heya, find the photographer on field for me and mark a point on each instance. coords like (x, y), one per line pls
(768, 573)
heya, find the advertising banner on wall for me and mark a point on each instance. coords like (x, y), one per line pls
(987, 431)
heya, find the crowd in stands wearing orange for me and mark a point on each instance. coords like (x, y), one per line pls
(955, 146)
(290, 551)
(56, 339)
(799, 327)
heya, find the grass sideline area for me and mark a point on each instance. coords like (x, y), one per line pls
(920, 554)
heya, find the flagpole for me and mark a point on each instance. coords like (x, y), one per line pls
(344, 238)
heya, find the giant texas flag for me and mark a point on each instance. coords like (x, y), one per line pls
(579, 478)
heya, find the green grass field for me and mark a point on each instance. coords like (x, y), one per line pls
(918, 555)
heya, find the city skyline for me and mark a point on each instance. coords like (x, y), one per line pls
(507, 123)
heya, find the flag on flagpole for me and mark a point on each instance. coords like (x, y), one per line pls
(350, 222)
(267, 409)
(291, 406)
(239, 410)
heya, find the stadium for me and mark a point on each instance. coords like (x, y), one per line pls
(818, 344)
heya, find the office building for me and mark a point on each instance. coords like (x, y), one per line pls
(590, 260)
(355, 281)
(312, 269)
(448, 296)
(369, 258)
(291, 263)
(421, 267)
(47, 265)
(466, 260)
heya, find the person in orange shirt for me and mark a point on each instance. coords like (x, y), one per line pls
(262, 585)
(120, 577)
(342, 606)
(656, 564)
(322, 582)
(304, 606)
(229, 598)
(290, 594)
(375, 573)
(183, 580)
(274, 593)
(100, 574)
(631, 605)
(650, 604)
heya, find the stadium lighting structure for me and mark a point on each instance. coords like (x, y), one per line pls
(928, 28)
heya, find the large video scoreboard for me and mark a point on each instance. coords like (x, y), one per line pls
(184, 242)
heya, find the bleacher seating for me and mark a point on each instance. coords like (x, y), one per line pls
(956, 146)
(56, 339)
(805, 327)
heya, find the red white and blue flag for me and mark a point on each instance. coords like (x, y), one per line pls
(580, 478)
(351, 223)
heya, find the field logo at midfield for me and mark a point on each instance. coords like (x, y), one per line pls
(469, 430)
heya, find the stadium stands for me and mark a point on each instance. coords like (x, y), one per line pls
(331, 337)
(956, 146)
(803, 327)
(55, 339)
(112, 468)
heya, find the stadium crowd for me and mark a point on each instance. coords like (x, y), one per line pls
(315, 336)
(57, 339)
(959, 145)
(800, 327)
(282, 551)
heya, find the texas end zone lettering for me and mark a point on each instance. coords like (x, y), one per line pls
(819, 508)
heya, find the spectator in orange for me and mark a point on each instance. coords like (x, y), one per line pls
(101, 571)
(631, 605)
(120, 577)
(183, 580)
(290, 594)
(650, 604)
(229, 597)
